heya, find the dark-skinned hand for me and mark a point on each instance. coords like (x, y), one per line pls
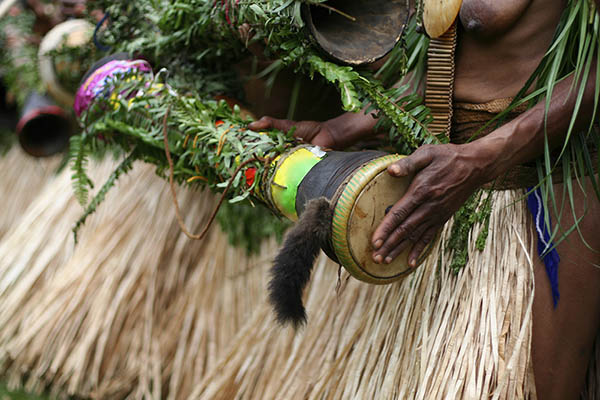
(444, 178)
(314, 132)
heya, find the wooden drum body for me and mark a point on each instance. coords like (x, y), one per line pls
(360, 191)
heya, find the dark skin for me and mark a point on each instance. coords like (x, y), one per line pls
(505, 40)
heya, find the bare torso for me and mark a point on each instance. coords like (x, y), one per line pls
(501, 43)
(503, 39)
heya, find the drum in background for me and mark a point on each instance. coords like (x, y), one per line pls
(356, 32)
(43, 128)
(72, 34)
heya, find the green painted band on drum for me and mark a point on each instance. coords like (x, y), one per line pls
(288, 175)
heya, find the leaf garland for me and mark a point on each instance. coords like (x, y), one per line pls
(198, 41)
(79, 161)
(207, 140)
(203, 34)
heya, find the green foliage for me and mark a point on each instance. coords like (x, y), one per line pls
(345, 78)
(196, 37)
(18, 56)
(404, 118)
(247, 225)
(198, 41)
(474, 210)
(79, 157)
(207, 140)
(402, 114)
(8, 394)
(573, 54)
(124, 167)
(203, 35)
(580, 26)
(409, 55)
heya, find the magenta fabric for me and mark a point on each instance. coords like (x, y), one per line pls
(100, 80)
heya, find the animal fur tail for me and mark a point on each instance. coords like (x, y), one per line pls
(292, 266)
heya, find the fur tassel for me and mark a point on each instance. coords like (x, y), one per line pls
(292, 266)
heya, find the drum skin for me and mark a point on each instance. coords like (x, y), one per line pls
(73, 33)
(360, 207)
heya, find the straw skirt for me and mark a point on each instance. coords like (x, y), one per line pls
(435, 335)
(22, 177)
(137, 310)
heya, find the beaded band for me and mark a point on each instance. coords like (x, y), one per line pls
(100, 80)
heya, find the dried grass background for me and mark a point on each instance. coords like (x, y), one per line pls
(135, 308)
(21, 178)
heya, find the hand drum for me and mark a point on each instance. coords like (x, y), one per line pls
(359, 190)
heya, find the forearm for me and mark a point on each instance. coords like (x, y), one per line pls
(350, 128)
(523, 139)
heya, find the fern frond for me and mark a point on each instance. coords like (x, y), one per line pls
(78, 157)
(345, 78)
(124, 167)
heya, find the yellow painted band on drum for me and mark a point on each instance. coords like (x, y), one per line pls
(288, 175)
(343, 210)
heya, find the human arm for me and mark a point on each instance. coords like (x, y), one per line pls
(335, 133)
(446, 175)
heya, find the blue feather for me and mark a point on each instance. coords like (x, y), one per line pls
(546, 249)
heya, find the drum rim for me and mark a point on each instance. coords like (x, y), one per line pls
(341, 217)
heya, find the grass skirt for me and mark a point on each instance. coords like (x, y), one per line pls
(435, 335)
(22, 177)
(137, 310)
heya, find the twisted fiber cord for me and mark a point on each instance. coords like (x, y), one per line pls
(180, 220)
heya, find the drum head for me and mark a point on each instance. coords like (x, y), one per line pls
(359, 210)
(357, 31)
(368, 211)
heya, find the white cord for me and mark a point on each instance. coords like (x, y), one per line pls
(5, 6)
